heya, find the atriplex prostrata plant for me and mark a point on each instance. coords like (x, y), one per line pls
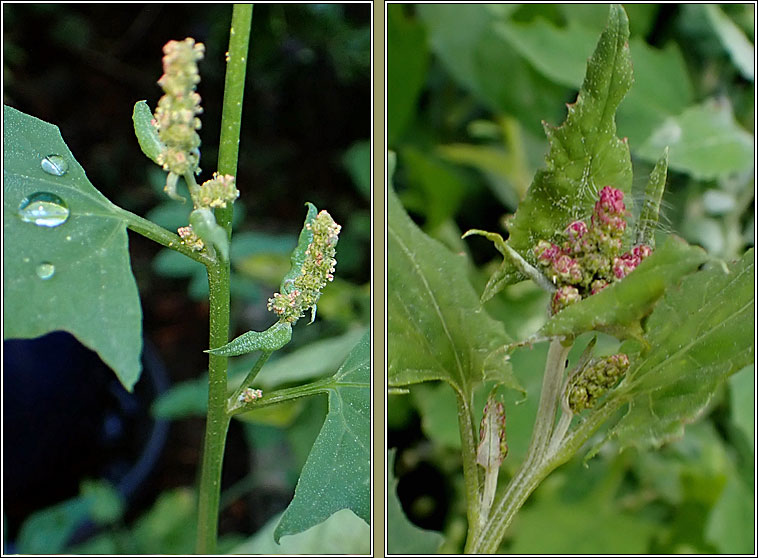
(67, 267)
(681, 320)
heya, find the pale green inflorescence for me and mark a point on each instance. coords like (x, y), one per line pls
(594, 380)
(177, 113)
(316, 272)
(218, 191)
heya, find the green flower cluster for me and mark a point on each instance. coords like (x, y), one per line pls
(217, 191)
(316, 271)
(590, 258)
(177, 113)
(594, 380)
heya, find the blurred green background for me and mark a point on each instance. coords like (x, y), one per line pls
(305, 137)
(468, 89)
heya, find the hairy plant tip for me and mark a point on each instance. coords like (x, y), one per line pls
(317, 270)
(595, 379)
(218, 191)
(176, 116)
(590, 258)
(190, 239)
(492, 448)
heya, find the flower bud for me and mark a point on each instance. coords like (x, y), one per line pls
(594, 380)
(492, 448)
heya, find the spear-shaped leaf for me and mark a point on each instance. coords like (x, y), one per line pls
(584, 155)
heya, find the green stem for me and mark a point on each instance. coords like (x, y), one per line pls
(234, 90)
(538, 462)
(286, 394)
(233, 400)
(164, 237)
(470, 468)
(217, 422)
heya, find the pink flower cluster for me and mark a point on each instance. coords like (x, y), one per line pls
(590, 258)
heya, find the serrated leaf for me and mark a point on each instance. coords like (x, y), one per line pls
(336, 474)
(618, 308)
(437, 329)
(700, 333)
(147, 134)
(704, 141)
(584, 154)
(91, 292)
(648, 219)
(403, 536)
(273, 339)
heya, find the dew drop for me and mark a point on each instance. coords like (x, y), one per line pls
(55, 165)
(43, 209)
(45, 270)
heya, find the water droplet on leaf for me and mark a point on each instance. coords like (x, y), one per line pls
(45, 270)
(55, 165)
(43, 209)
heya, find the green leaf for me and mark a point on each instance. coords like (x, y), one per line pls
(407, 60)
(700, 334)
(437, 329)
(648, 218)
(312, 361)
(297, 259)
(47, 531)
(740, 49)
(584, 155)
(90, 290)
(357, 162)
(336, 474)
(341, 533)
(704, 141)
(731, 524)
(742, 402)
(204, 225)
(464, 39)
(273, 339)
(618, 308)
(147, 134)
(403, 536)
(590, 525)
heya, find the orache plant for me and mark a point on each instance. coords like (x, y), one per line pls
(67, 267)
(681, 319)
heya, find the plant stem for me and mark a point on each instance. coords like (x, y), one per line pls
(234, 90)
(537, 463)
(470, 468)
(217, 422)
(166, 238)
(287, 394)
(249, 378)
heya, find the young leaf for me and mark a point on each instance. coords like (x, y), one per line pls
(584, 155)
(336, 474)
(146, 133)
(204, 225)
(700, 334)
(66, 256)
(273, 339)
(618, 308)
(437, 328)
(651, 206)
(297, 258)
